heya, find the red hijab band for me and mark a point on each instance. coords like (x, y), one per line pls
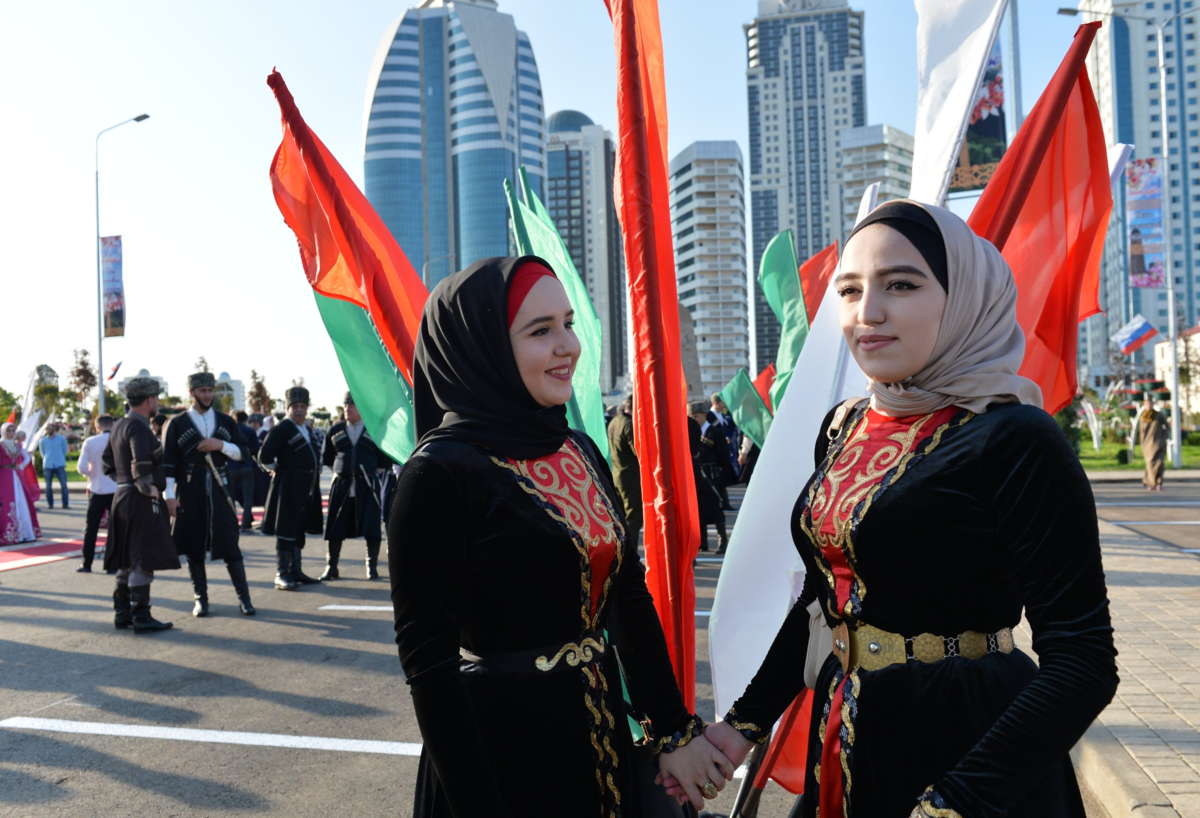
(522, 282)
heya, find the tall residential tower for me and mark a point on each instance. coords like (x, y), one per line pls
(580, 161)
(453, 108)
(805, 85)
(708, 218)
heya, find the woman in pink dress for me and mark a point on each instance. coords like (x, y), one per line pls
(18, 520)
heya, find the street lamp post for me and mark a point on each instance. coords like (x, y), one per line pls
(99, 273)
(1164, 134)
(425, 268)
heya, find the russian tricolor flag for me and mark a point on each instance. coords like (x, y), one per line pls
(1134, 335)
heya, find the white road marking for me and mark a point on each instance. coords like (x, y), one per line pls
(1153, 522)
(92, 728)
(1152, 504)
(355, 608)
(710, 559)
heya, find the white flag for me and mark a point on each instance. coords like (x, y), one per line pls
(954, 39)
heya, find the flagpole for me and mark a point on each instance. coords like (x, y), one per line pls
(99, 264)
(1164, 159)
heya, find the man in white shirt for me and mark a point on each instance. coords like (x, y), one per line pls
(101, 488)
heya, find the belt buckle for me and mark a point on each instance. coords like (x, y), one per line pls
(841, 645)
(875, 649)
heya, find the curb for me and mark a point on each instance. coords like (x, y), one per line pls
(1169, 476)
(1118, 782)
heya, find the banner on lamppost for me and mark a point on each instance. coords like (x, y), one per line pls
(987, 137)
(113, 290)
(1144, 221)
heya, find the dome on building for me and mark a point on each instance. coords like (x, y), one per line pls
(567, 122)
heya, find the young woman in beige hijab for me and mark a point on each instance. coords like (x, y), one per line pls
(941, 507)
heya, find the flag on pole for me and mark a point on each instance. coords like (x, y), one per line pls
(954, 41)
(113, 372)
(750, 413)
(537, 236)
(1134, 335)
(1046, 209)
(369, 296)
(793, 293)
(763, 384)
(672, 532)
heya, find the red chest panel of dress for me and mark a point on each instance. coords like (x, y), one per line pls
(876, 446)
(565, 482)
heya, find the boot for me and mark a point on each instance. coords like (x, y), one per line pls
(143, 622)
(331, 560)
(372, 559)
(722, 540)
(298, 575)
(237, 574)
(199, 586)
(283, 571)
(121, 605)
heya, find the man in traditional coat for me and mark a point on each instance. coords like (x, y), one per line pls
(197, 446)
(627, 476)
(355, 508)
(294, 499)
(139, 534)
(1152, 434)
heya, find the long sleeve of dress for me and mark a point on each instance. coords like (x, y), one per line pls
(1046, 514)
(425, 528)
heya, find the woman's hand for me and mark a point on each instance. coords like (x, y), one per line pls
(692, 766)
(732, 745)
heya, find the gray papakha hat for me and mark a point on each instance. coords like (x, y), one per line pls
(349, 401)
(297, 394)
(142, 388)
(199, 380)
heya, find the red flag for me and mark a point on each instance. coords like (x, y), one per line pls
(12, 416)
(762, 385)
(660, 404)
(1046, 209)
(814, 279)
(787, 756)
(347, 251)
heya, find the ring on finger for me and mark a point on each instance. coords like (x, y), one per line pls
(709, 790)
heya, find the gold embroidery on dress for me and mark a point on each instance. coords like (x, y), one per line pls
(572, 654)
(866, 485)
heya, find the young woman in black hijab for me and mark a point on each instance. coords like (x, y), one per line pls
(512, 577)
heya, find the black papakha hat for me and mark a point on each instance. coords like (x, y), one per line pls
(142, 388)
(297, 394)
(349, 401)
(199, 380)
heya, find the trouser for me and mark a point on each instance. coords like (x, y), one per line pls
(134, 577)
(334, 552)
(241, 489)
(61, 472)
(97, 505)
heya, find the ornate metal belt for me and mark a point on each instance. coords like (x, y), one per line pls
(552, 658)
(873, 649)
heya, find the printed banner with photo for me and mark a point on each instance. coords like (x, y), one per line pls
(1143, 219)
(113, 286)
(987, 136)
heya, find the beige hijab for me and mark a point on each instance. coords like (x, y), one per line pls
(980, 345)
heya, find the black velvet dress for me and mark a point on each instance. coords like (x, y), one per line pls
(969, 523)
(490, 583)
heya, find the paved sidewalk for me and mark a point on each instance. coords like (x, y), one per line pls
(1143, 755)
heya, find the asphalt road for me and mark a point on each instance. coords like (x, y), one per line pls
(314, 676)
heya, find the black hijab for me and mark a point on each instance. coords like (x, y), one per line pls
(914, 223)
(466, 384)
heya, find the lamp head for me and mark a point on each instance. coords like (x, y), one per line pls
(1068, 12)
(141, 117)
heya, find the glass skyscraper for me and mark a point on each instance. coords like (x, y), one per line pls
(581, 161)
(805, 85)
(453, 108)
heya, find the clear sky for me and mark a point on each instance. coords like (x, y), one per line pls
(210, 267)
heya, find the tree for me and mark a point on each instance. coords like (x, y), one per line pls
(83, 377)
(260, 398)
(298, 381)
(8, 402)
(45, 397)
(201, 364)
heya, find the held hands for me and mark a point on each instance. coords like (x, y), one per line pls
(689, 768)
(172, 505)
(730, 745)
(210, 444)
